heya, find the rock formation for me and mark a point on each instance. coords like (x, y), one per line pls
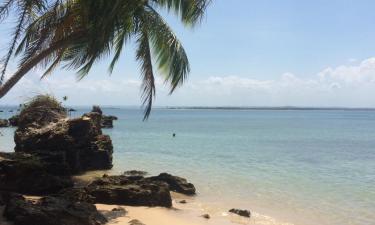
(134, 191)
(44, 129)
(28, 174)
(51, 211)
(105, 121)
(241, 212)
(175, 183)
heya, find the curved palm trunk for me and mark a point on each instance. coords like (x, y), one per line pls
(29, 64)
(26, 67)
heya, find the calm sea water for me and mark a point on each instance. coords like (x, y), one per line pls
(301, 167)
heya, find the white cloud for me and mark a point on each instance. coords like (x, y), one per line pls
(350, 85)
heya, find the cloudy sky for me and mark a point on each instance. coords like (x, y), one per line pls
(245, 53)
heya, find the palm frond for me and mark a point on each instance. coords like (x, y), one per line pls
(189, 11)
(143, 55)
(170, 55)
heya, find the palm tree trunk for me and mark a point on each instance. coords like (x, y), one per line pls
(29, 64)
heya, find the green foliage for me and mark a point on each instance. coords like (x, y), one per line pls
(77, 33)
(41, 110)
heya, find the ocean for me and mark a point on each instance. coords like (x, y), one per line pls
(302, 167)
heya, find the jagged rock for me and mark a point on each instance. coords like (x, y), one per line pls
(79, 142)
(240, 212)
(4, 123)
(27, 174)
(134, 191)
(51, 211)
(13, 121)
(105, 121)
(176, 184)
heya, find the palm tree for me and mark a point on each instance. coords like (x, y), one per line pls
(78, 33)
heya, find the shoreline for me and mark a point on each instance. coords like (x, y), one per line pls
(182, 214)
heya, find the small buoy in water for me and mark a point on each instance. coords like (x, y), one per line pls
(174, 135)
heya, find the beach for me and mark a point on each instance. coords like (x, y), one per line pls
(286, 167)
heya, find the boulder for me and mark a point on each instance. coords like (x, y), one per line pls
(79, 142)
(176, 184)
(51, 211)
(241, 212)
(27, 174)
(4, 123)
(133, 191)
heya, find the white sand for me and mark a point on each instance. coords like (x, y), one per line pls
(160, 216)
(181, 214)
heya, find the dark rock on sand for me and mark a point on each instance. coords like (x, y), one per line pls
(134, 191)
(206, 216)
(176, 184)
(27, 174)
(183, 201)
(51, 211)
(114, 213)
(79, 142)
(4, 123)
(240, 212)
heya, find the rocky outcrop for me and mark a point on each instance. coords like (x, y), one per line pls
(134, 191)
(241, 212)
(105, 121)
(78, 142)
(40, 112)
(4, 123)
(51, 211)
(176, 184)
(28, 174)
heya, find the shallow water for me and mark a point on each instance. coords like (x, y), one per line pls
(302, 167)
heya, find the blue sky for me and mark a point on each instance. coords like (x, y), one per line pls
(248, 52)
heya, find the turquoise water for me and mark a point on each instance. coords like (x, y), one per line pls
(301, 167)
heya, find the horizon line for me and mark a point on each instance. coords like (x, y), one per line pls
(228, 107)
